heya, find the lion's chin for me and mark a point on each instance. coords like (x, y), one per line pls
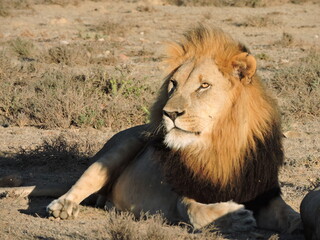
(178, 138)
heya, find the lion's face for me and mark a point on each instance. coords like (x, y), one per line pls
(197, 92)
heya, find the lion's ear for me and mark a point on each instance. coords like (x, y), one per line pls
(244, 66)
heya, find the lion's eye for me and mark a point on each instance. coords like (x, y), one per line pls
(204, 85)
(173, 83)
(172, 86)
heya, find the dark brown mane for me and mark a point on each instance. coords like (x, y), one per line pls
(258, 175)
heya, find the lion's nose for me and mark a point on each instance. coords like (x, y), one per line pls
(173, 115)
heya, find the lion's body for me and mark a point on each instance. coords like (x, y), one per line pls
(214, 137)
(142, 188)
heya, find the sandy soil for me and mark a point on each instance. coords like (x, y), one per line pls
(149, 25)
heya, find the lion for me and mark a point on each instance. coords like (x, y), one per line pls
(211, 152)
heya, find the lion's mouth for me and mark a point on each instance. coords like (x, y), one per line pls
(185, 131)
(172, 126)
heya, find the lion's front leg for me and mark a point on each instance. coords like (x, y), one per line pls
(93, 179)
(279, 216)
(110, 161)
(227, 216)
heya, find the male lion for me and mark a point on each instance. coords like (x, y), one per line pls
(211, 153)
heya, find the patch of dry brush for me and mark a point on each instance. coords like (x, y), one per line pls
(81, 84)
(298, 88)
(235, 3)
(123, 226)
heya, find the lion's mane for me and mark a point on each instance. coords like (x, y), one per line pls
(242, 157)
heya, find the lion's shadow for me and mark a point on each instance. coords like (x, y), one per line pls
(36, 207)
(55, 164)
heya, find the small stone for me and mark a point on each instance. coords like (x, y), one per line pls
(64, 42)
(59, 21)
(123, 57)
(292, 134)
(284, 60)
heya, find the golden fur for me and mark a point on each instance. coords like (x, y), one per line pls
(245, 127)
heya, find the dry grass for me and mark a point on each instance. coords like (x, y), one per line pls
(3, 9)
(23, 48)
(123, 226)
(84, 84)
(285, 41)
(109, 27)
(258, 21)
(106, 29)
(235, 3)
(298, 88)
(263, 56)
(59, 2)
(61, 54)
(55, 154)
(61, 154)
(69, 85)
(8, 6)
(19, 4)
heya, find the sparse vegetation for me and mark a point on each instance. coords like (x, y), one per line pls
(48, 89)
(235, 3)
(124, 226)
(22, 48)
(263, 56)
(298, 87)
(3, 9)
(104, 29)
(55, 153)
(60, 54)
(59, 2)
(7, 6)
(218, 3)
(109, 27)
(258, 21)
(286, 40)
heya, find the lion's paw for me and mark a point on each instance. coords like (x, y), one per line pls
(62, 208)
(238, 219)
(243, 220)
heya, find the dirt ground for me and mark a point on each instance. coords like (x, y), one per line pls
(150, 25)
